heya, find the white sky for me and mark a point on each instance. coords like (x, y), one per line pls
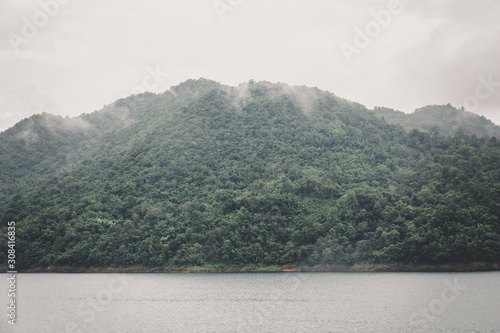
(89, 53)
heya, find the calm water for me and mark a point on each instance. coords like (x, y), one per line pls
(256, 302)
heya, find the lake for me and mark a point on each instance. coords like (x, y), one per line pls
(256, 302)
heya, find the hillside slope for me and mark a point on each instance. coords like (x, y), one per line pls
(445, 119)
(256, 174)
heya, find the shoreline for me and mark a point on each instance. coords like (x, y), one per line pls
(472, 267)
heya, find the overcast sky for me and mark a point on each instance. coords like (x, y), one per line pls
(69, 57)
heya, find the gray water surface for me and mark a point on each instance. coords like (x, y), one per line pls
(256, 302)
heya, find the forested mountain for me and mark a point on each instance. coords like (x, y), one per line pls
(256, 174)
(445, 119)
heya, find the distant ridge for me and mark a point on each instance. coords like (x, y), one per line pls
(445, 119)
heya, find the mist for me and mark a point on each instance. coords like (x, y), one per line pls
(87, 54)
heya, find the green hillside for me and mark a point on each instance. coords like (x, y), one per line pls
(443, 119)
(261, 173)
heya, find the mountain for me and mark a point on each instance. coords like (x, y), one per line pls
(258, 174)
(444, 119)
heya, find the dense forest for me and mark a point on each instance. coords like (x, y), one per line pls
(443, 119)
(259, 174)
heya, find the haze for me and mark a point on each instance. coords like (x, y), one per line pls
(82, 55)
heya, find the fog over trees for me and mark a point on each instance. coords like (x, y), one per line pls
(261, 173)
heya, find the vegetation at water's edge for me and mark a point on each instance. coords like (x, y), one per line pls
(471, 267)
(260, 175)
